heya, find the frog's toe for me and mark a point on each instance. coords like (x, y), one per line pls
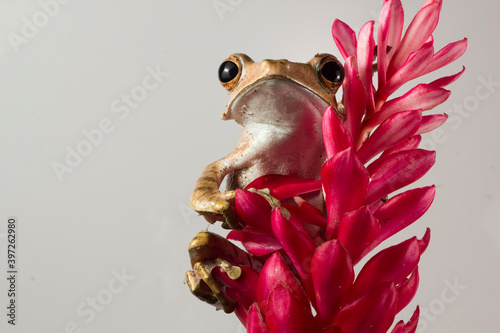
(205, 287)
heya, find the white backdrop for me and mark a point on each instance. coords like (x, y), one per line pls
(101, 243)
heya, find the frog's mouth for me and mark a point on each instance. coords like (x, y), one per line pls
(274, 99)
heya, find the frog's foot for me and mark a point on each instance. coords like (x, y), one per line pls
(207, 246)
(208, 250)
(216, 206)
(204, 286)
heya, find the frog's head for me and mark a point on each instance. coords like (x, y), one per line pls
(278, 90)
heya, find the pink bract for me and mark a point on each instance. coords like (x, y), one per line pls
(309, 256)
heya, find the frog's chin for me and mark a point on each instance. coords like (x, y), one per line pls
(275, 100)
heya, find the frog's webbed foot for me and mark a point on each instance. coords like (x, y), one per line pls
(207, 251)
(215, 206)
(204, 286)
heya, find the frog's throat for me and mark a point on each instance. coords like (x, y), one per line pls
(227, 113)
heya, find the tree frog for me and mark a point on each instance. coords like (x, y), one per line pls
(280, 105)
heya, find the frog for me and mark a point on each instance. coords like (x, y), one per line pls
(280, 105)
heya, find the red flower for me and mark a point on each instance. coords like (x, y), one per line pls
(310, 257)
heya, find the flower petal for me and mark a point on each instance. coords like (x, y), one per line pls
(411, 325)
(332, 329)
(447, 55)
(255, 322)
(394, 130)
(414, 67)
(285, 313)
(375, 206)
(424, 242)
(253, 210)
(398, 170)
(418, 32)
(407, 290)
(372, 313)
(241, 313)
(392, 264)
(243, 303)
(256, 243)
(390, 17)
(345, 38)
(246, 284)
(340, 175)
(401, 211)
(447, 80)
(332, 274)
(354, 97)
(382, 35)
(399, 328)
(290, 233)
(307, 213)
(364, 55)
(335, 135)
(315, 215)
(423, 97)
(357, 230)
(428, 2)
(395, 27)
(276, 270)
(431, 122)
(283, 187)
(410, 143)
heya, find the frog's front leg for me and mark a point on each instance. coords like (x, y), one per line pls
(207, 199)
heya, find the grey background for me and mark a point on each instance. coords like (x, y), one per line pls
(124, 207)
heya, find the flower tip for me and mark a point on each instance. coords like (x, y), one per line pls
(411, 325)
(424, 242)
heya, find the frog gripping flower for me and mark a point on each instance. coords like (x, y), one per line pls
(276, 102)
(316, 185)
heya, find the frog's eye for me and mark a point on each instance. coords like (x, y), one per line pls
(333, 72)
(330, 73)
(229, 72)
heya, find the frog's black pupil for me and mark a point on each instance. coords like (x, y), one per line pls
(228, 70)
(333, 72)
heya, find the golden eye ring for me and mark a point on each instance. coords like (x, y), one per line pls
(230, 72)
(330, 72)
